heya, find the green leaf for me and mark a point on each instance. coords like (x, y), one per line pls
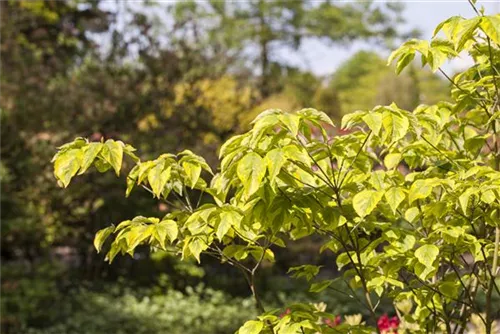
(230, 145)
(196, 246)
(320, 286)
(449, 289)
(112, 152)
(275, 159)
(488, 196)
(420, 189)
(392, 160)
(436, 58)
(374, 122)
(164, 229)
(188, 156)
(365, 201)
(465, 32)
(291, 122)
(308, 271)
(463, 199)
(193, 172)
(67, 165)
(404, 61)
(395, 125)
(251, 170)
(475, 144)
(131, 180)
(129, 150)
(427, 254)
(91, 152)
(137, 235)
(447, 25)
(227, 220)
(394, 197)
(144, 167)
(101, 236)
(411, 214)
(491, 27)
(251, 327)
(315, 115)
(158, 176)
(351, 119)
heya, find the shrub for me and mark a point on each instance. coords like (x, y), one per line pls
(199, 310)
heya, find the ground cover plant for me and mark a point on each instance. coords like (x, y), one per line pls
(408, 201)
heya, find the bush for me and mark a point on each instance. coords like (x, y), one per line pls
(36, 307)
(199, 310)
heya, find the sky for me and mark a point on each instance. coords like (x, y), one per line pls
(424, 15)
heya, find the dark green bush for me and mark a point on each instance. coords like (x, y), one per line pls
(199, 310)
(39, 304)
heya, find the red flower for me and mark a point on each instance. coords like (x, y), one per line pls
(333, 323)
(386, 325)
(394, 322)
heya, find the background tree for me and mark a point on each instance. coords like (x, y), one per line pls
(365, 80)
(239, 27)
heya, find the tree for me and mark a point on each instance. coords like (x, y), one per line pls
(364, 81)
(41, 42)
(427, 239)
(237, 27)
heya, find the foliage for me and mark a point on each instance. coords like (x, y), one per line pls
(364, 81)
(36, 306)
(296, 90)
(408, 201)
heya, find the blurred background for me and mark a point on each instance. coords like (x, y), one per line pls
(167, 76)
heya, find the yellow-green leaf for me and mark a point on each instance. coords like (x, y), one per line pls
(112, 152)
(392, 160)
(196, 246)
(491, 27)
(404, 61)
(394, 197)
(374, 122)
(251, 327)
(365, 201)
(132, 179)
(488, 196)
(275, 159)
(395, 125)
(193, 172)
(427, 254)
(465, 32)
(67, 165)
(251, 170)
(411, 214)
(166, 228)
(101, 236)
(463, 199)
(91, 152)
(227, 220)
(291, 122)
(143, 169)
(158, 177)
(138, 234)
(420, 189)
